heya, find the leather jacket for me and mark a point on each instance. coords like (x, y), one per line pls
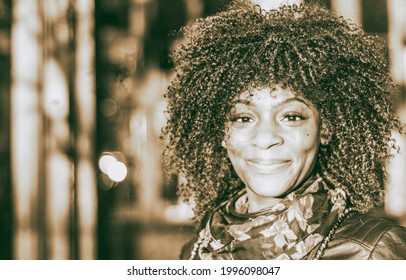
(365, 237)
(359, 237)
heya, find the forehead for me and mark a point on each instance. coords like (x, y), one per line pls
(270, 96)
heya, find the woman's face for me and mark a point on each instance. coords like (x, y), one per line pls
(272, 141)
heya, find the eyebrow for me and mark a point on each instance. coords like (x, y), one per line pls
(283, 102)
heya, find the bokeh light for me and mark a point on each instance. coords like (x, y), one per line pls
(113, 168)
(117, 171)
(105, 161)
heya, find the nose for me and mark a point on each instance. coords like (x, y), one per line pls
(266, 135)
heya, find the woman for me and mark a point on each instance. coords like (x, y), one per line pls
(280, 123)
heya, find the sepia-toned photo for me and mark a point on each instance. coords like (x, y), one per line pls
(202, 130)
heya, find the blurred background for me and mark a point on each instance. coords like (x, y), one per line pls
(81, 109)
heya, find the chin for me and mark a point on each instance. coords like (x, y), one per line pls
(271, 186)
(270, 189)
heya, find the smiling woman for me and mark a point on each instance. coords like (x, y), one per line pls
(280, 122)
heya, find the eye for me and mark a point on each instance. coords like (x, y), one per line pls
(293, 117)
(242, 119)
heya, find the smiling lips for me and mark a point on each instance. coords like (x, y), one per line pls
(266, 166)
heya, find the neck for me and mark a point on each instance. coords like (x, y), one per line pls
(257, 203)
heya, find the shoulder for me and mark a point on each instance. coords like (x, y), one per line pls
(364, 236)
(187, 248)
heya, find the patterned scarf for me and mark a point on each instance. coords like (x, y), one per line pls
(288, 230)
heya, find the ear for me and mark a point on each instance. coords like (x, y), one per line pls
(325, 134)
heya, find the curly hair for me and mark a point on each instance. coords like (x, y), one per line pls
(306, 48)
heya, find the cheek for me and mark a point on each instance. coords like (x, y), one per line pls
(236, 141)
(307, 142)
(311, 139)
(235, 148)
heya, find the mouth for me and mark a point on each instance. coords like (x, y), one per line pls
(265, 166)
